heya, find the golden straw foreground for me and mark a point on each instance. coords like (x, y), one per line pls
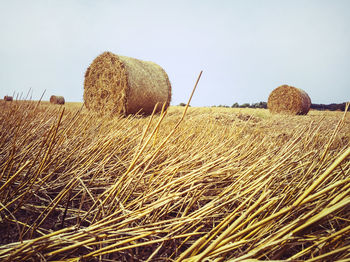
(212, 184)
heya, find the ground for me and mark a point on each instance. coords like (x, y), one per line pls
(224, 184)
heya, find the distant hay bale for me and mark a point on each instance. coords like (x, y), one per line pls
(289, 100)
(58, 100)
(8, 98)
(123, 85)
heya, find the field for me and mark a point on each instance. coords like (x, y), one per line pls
(219, 184)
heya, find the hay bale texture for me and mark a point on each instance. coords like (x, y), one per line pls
(287, 99)
(8, 98)
(57, 100)
(123, 85)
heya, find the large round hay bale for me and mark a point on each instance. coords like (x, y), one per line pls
(8, 98)
(287, 99)
(117, 84)
(58, 100)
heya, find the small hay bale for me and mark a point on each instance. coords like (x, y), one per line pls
(8, 98)
(287, 99)
(123, 85)
(57, 100)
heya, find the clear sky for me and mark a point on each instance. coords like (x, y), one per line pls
(246, 48)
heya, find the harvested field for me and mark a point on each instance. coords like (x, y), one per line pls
(223, 185)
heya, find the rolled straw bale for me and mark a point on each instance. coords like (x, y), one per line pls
(8, 98)
(287, 99)
(57, 100)
(117, 84)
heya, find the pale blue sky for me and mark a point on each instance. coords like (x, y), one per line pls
(246, 48)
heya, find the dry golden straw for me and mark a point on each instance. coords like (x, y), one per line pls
(177, 186)
(123, 85)
(287, 99)
(59, 100)
(8, 98)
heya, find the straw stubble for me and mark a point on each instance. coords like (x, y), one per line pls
(75, 187)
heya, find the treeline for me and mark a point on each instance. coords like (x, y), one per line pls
(331, 107)
(246, 105)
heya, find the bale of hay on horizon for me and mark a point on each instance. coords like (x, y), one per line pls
(57, 100)
(123, 85)
(8, 98)
(287, 99)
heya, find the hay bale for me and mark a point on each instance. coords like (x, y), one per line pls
(57, 100)
(287, 99)
(123, 85)
(8, 98)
